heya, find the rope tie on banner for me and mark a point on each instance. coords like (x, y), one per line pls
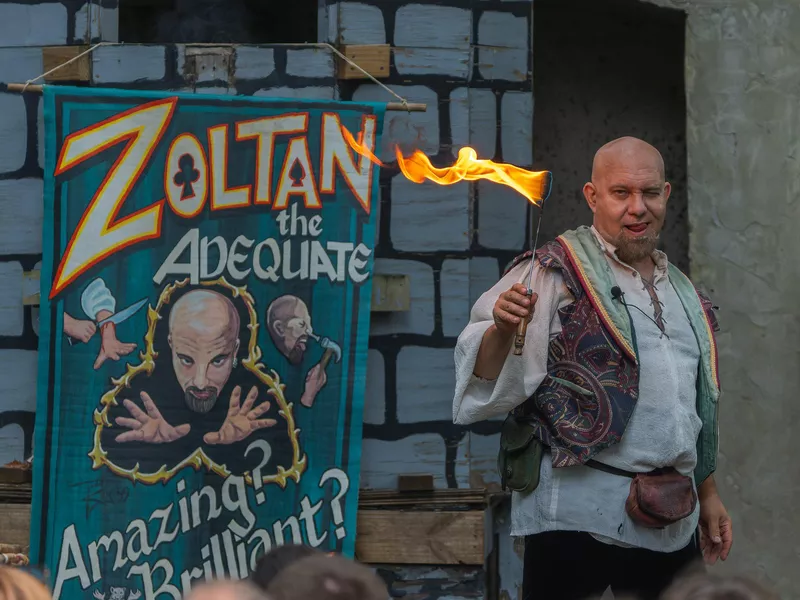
(22, 88)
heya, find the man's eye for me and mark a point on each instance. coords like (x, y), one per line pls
(186, 360)
(218, 360)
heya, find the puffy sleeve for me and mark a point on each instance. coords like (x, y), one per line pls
(479, 399)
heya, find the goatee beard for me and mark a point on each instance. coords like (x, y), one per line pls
(632, 250)
(199, 405)
(296, 355)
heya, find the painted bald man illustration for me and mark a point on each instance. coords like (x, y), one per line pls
(204, 341)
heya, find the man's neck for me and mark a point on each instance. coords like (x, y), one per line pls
(646, 268)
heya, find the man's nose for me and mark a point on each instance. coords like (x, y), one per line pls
(200, 377)
(636, 205)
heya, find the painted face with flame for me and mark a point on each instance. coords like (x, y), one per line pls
(203, 336)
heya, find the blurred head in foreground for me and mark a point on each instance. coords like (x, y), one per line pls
(17, 584)
(276, 560)
(327, 578)
(713, 587)
(225, 590)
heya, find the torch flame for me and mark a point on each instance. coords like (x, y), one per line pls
(533, 185)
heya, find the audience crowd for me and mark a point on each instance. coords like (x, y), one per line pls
(295, 572)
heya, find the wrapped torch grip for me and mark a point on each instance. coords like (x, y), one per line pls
(522, 330)
(519, 338)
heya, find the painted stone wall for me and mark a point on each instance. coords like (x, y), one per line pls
(470, 62)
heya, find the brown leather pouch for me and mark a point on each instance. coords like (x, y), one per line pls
(656, 499)
(660, 498)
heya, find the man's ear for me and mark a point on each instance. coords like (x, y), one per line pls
(279, 328)
(236, 347)
(667, 190)
(590, 193)
(169, 340)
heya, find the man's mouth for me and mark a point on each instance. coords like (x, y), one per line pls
(202, 394)
(637, 228)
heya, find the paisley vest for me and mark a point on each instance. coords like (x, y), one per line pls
(589, 394)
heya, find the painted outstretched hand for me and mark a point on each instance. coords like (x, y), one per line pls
(148, 425)
(242, 420)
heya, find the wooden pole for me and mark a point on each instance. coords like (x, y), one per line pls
(394, 106)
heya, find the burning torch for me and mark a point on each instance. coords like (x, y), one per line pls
(522, 328)
(535, 186)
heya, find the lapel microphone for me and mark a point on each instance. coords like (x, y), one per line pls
(619, 295)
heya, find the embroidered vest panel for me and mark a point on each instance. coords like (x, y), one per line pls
(588, 396)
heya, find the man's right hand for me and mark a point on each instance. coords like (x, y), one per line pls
(149, 427)
(511, 307)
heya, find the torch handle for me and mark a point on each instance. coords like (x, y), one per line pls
(522, 330)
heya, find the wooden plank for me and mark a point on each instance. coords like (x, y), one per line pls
(15, 524)
(373, 58)
(77, 70)
(391, 293)
(30, 288)
(415, 483)
(420, 537)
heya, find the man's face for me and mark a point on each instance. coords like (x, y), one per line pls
(294, 332)
(203, 349)
(629, 200)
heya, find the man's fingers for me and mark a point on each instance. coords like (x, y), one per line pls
(519, 289)
(182, 430)
(261, 423)
(212, 438)
(258, 411)
(234, 404)
(101, 358)
(126, 422)
(136, 435)
(150, 406)
(137, 412)
(506, 317)
(251, 398)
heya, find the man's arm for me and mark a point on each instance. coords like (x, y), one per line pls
(510, 308)
(715, 523)
(490, 381)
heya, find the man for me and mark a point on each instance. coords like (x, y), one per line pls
(289, 326)
(204, 339)
(198, 396)
(617, 377)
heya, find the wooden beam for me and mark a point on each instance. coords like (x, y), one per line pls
(391, 293)
(77, 70)
(373, 58)
(15, 524)
(420, 537)
(30, 288)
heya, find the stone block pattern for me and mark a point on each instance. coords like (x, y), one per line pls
(469, 62)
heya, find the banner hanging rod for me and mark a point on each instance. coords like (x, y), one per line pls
(396, 106)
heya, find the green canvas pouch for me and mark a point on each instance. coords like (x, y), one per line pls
(520, 457)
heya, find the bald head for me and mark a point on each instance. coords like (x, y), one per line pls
(628, 195)
(626, 151)
(204, 338)
(289, 325)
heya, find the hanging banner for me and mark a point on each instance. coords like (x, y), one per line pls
(206, 288)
